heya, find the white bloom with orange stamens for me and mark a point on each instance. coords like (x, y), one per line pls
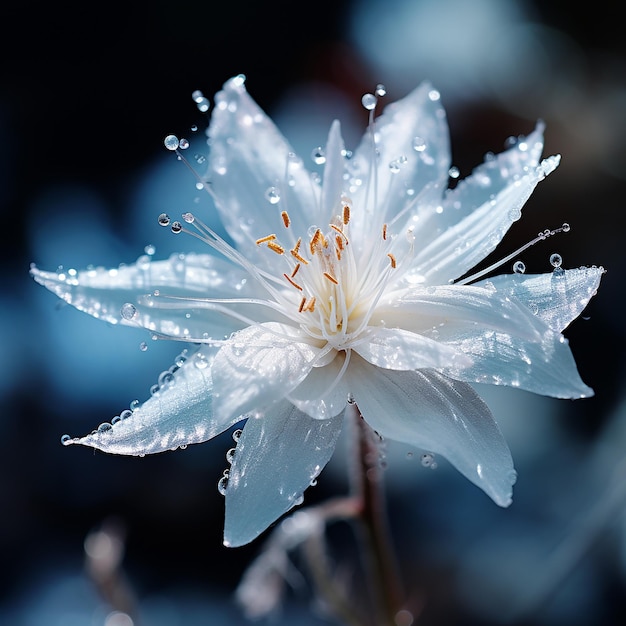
(346, 290)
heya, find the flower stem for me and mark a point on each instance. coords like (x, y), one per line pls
(380, 563)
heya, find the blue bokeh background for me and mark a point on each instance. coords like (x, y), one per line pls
(86, 96)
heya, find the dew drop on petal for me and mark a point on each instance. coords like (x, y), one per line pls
(65, 439)
(454, 172)
(318, 155)
(143, 346)
(128, 311)
(369, 101)
(200, 361)
(272, 195)
(381, 90)
(149, 249)
(171, 142)
(104, 427)
(230, 455)
(519, 267)
(515, 214)
(237, 434)
(222, 484)
(556, 260)
(419, 145)
(164, 219)
(134, 405)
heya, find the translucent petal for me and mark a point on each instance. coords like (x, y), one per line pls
(413, 150)
(432, 412)
(323, 393)
(506, 343)
(397, 349)
(456, 310)
(277, 457)
(468, 241)
(258, 366)
(255, 175)
(557, 298)
(546, 367)
(179, 413)
(103, 292)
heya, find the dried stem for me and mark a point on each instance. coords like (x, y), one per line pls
(380, 563)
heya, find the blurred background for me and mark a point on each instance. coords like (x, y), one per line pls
(87, 93)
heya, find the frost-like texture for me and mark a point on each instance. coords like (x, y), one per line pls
(344, 287)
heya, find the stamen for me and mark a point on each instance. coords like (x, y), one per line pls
(393, 260)
(540, 237)
(295, 284)
(346, 214)
(295, 270)
(264, 239)
(311, 305)
(275, 247)
(286, 220)
(302, 303)
(331, 278)
(295, 252)
(314, 243)
(385, 232)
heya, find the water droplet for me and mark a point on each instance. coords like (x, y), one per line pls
(237, 434)
(134, 405)
(164, 219)
(171, 142)
(177, 227)
(222, 484)
(116, 419)
(272, 195)
(556, 260)
(515, 214)
(566, 227)
(189, 218)
(154, 389)
(230, 455)
(419, 145)
(434, 95)
(150, 249)
(381, 90)
(128, 311)
(197, 95)
(200, 361)
(193, 128)
(125, 414)
(427, 459)
(181, 358)
(104, 427)
(318, 155)
(199, 158)
(203, 104)
(313, 482)
(183, 144)
(454, 172)
(519, 267)
(143, 346)
(351, 399)
(165, 378)
(65, 439)
(369, 101)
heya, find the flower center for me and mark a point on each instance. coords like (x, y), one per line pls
(332, 288)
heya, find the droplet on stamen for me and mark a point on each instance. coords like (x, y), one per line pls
(171, 142)
(164, 219)
(369, 101)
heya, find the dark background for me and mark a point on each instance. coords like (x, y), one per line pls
(87, 93)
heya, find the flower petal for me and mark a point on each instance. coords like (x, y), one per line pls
(254, 174)
(440, 415)
(557, 298)
(506, 343)
(397, 349)
(103, 293)
(323, 393)
(258, 366)
(277, 457)
(332, 185)
(474, 217)
(413, 150)
(178, 414)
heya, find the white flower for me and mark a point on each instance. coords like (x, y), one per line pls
(344, 289)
